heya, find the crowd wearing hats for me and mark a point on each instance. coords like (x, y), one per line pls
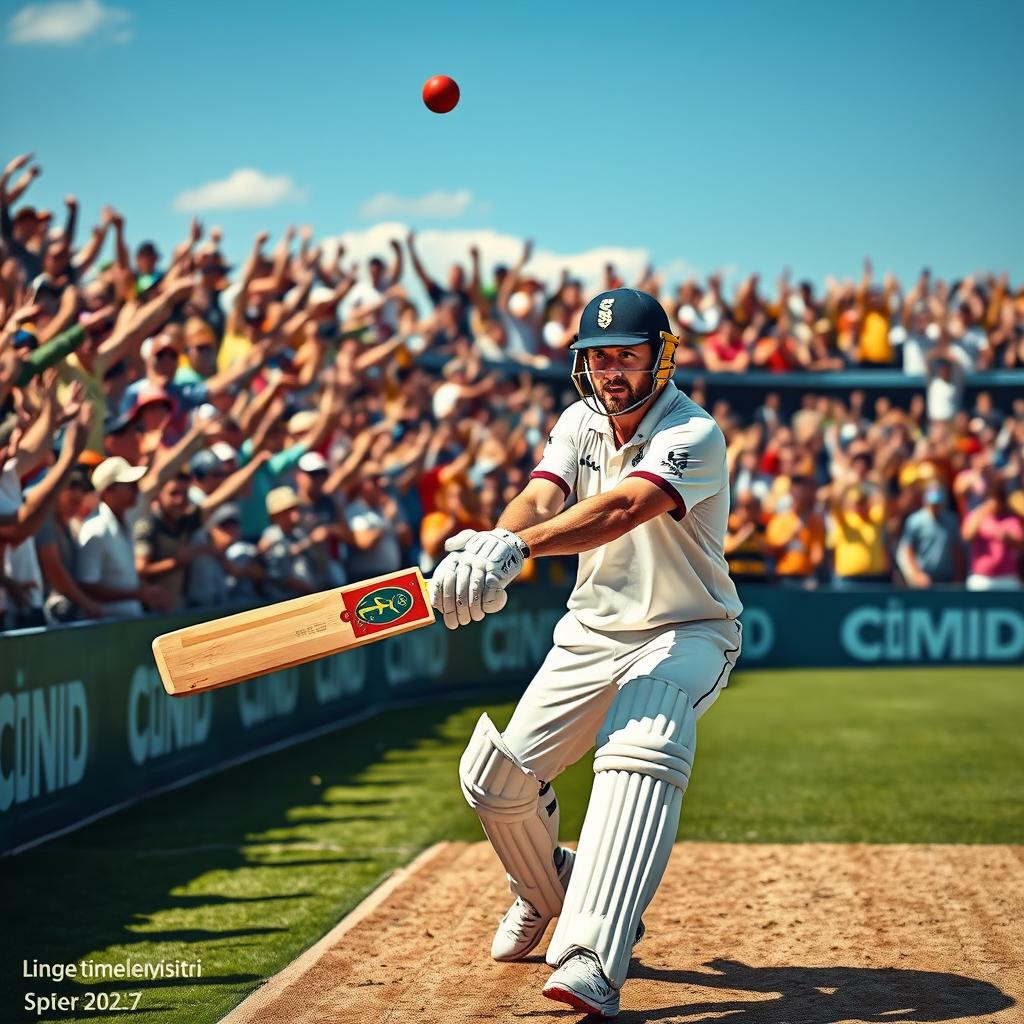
(176, 432)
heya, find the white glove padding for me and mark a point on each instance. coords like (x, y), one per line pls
(459, 541)
(503, 552)
(495, 558)
(449, 591)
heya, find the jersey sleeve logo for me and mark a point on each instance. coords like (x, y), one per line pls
(676, 461)
(604, 313)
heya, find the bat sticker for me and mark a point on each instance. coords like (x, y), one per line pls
(384, 606)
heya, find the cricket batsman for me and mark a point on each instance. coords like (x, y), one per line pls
(650, 637)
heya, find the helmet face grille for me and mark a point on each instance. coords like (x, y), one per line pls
(661, 374)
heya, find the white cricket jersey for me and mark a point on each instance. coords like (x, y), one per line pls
(672, 568)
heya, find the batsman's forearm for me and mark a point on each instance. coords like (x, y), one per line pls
(589, 524)
(522, 512)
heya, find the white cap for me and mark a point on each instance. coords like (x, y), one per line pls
(280, 499)
(115, 470)
(224, 451)
(553, 332)
(520, 304)
(313, 462)
(302, 422)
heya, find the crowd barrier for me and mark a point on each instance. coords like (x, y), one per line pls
(85, 727)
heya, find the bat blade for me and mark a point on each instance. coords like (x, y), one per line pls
(247, 644)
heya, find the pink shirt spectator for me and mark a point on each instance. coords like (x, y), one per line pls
(992, 554)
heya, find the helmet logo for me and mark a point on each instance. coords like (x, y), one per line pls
(604, 313)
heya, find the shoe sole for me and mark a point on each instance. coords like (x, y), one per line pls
(561, 994)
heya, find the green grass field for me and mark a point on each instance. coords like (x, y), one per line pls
(245, 870)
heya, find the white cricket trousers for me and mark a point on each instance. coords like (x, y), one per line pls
(558, 718)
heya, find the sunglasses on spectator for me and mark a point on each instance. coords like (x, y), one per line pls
(166, 353)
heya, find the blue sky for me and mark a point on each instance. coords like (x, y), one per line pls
(744, 135)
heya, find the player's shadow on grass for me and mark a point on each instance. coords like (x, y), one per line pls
(823, 995)
(199, 860)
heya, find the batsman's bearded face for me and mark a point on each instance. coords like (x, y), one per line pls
(621, 376)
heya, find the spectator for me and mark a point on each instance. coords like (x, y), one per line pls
(164, 535)
(232, 572)
(378, 529)
(724, 350)
(745, 547)
(857, 538)
(929, 550)
(795, 534)
(21, 581)
(944, 374)
(288, 548)
(322, 507)
(106, 563)
(57, 551)
(456, 295)
(996, 538)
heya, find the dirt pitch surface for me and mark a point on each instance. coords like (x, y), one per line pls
(747, 934)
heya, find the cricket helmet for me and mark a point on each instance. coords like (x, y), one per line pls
(623, 317)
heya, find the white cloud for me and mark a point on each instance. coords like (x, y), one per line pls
(438, 249)
(439, 205)
(676, 271)
(242, 188)
(68, 22)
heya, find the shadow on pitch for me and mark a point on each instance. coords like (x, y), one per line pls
(822, 995)
(202, 854)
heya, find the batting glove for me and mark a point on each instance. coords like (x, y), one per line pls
(450, 587)
(494, 558)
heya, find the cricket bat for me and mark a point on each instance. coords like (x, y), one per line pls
(238, 647)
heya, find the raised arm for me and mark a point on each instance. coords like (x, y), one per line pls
(6, 226)
(235, 314)
(511, 280)
(340, 476)
(143, 322)
(15, 192)
(65, 315)
(167, 461)
(39, 500)
(421, 272)
(71, 220)
(233, 484)
(39, 433)
(86, 256)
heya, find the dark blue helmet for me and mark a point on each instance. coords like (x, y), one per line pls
(623, 316)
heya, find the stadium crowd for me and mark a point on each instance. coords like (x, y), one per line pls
(173, 434)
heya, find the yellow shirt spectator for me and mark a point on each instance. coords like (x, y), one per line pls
(233, 349)
(875, 346)
(858, 540)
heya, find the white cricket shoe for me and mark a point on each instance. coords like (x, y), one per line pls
(581, 983)
(523, 925)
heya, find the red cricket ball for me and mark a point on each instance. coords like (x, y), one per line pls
(440, 94)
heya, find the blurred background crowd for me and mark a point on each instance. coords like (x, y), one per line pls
(176, 432)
